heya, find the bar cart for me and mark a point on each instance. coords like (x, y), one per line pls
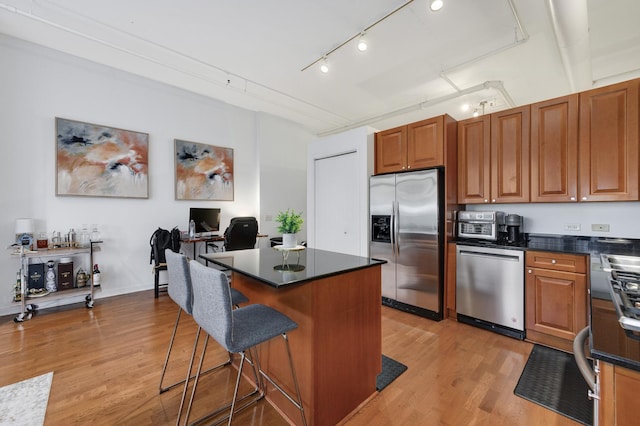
(52, 298)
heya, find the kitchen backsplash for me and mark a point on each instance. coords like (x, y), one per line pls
(622, 219)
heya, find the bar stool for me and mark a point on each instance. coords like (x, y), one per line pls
(237, 330)
(181, 292)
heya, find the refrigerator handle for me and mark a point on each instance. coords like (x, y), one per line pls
(393, 229)
(396, 226)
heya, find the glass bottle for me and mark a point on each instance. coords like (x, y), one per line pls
(95, 234)
(50, 283)
(192, 229)
(96, 276)
(84, 236)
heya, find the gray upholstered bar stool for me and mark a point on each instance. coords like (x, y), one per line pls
(237, 330)
(181, 292)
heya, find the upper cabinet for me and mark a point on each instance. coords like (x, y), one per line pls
(474, 160)
(608, 149)
(391, 150)
(493, 158)
(510, 155)
(554, 150)
(417, 145)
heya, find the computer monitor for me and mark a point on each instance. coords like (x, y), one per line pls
(206, 220)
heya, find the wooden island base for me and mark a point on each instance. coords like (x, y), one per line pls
(337, 348)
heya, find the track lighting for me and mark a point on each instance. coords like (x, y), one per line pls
(324, 65)
(435, 5)
(362, 43)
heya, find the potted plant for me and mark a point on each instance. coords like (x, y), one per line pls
(290, 223)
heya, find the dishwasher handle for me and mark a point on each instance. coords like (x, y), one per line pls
(489, 255)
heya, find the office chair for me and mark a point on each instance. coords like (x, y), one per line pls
(238, 331)
(241, 234)
(180, 290)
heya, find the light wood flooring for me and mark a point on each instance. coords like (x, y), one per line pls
(107, 361)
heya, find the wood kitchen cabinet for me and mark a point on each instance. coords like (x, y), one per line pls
(510, 155)
(555, 298)
(493, 158)
(450, 282)
(474, 160)
(417, 145)
(608, 165)
(618, 395)
(554, 150)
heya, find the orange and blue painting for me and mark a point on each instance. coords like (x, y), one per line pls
(99, 161)
(203, 172)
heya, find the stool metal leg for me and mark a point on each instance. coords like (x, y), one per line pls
(257, 390)
(166, 360)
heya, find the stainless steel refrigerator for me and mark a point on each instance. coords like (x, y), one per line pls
(406, 220)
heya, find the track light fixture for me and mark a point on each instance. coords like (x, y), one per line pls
(362, 43)
(324, 65)
(435, 5)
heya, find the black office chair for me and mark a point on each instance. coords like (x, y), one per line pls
(241, 234)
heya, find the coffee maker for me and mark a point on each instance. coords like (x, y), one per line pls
(514, 225)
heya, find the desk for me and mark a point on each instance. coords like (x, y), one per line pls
(211, 239)
(197, 240)
(337, 348)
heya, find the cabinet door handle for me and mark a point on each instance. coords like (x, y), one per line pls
(553, 261)
(572, 198)
(584, 198)
(530, 271)
(493, 201)
(486, 201)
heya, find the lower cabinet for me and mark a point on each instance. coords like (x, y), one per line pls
(555, 298)
(450, 282)
(618, 395)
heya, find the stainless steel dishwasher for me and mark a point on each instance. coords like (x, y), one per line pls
(490, 288)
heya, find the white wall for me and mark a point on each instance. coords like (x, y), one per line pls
(283, 172)
(38, 84)
(550, 218)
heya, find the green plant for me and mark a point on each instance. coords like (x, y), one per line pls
(290, 221)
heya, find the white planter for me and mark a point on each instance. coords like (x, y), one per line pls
(289, 240)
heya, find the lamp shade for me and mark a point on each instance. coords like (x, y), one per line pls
(24, 226)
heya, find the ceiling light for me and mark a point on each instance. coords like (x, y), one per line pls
(362, 43)
(435, 5)
(465, 107)
(324, 65)
(476, 112)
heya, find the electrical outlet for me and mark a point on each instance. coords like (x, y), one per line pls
(600, 227)
(571, 226)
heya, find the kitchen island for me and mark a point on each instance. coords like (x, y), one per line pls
(336, 300)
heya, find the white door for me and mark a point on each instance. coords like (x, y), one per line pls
(337, 217)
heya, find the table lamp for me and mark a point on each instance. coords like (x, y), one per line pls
(24, 232)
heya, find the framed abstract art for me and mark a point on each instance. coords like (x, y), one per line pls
(203, 172)
(100, 161)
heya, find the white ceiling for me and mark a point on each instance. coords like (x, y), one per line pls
(253, 53)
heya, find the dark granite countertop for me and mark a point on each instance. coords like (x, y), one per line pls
(268, 265)
(625, 352)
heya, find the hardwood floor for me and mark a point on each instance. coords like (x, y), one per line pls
(107, 361)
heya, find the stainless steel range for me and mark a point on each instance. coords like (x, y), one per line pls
(623, 273)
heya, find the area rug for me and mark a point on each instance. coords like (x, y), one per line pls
(552, 379)
(25, 402)
(391, 369)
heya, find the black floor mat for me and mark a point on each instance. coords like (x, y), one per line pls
(551, 378)
(391, 369)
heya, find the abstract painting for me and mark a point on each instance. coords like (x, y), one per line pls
(100, 161)
(203, 172)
